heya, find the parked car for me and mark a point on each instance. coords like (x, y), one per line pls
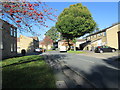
(63, 49)
(101, 49)
(38, 50)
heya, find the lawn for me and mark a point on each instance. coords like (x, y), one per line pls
(50, 50)
(76, 52)
(27, 72)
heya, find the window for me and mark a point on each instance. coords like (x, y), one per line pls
(1, 45)
(15, 33)
(104, 33)
(95, 36)
(99, 34)
(11, 31)
(14, 47)
(11, 47)
(18, 47)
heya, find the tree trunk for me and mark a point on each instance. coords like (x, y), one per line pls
(68, 45)
(74, 46)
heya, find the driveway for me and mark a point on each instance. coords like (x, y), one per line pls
(101, 72)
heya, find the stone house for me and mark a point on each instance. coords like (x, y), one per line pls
(42, 45)
(109, 36)
(29, 44)
(8, 40)
(65, 43)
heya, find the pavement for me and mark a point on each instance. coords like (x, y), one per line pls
(86, 71)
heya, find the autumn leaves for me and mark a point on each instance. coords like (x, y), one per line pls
(24, 13)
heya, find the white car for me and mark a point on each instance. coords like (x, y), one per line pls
(38, 50)
(63, 49)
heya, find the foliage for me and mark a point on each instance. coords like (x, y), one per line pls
(21, 14)
(47, 41)
(75, 21)
(33, 74)
(74, 40)
(53, 34)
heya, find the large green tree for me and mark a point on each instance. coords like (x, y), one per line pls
(53, 34)
(75, 21)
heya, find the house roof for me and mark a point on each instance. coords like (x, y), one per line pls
(36, 38)
(8, 23)
(102, 30)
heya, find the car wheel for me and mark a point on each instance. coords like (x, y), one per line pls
(101, 51)
(113, 50)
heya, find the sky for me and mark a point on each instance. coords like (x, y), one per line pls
(104, 13)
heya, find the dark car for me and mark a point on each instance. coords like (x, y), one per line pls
(101, 49)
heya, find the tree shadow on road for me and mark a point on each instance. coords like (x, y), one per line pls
(102, 76)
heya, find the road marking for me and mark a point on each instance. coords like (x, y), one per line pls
(111, 67)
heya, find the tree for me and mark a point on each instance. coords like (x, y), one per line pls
(47, 41)
(74, 41)
(75, 21)
(53, 34)
(24, 15)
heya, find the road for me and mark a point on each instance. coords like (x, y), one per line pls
(102, 73)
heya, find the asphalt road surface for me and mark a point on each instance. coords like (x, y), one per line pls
(103, 73)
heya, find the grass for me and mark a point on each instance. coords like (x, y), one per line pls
(27, 72)
(76, 52)
(50, 50)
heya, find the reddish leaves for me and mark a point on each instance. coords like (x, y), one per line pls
(18, 21)
(19, 25)
(31, 8)
(36, 4)
(41, 17)
(33, 12)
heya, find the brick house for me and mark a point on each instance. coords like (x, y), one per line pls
(8, 40)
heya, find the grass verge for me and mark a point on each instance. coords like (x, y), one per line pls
(50, 50)
(76, 52)
(27, 72)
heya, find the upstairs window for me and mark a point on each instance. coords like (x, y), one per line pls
(15, 32)
(11, 31)
(104, 33)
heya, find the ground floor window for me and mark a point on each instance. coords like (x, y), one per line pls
(15, 47)
(11, 47)
(1, 45)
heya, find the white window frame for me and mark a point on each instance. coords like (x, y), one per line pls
(104, 34)
(11, 31)
(1, 45)
(14, 47)
(11, 47)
